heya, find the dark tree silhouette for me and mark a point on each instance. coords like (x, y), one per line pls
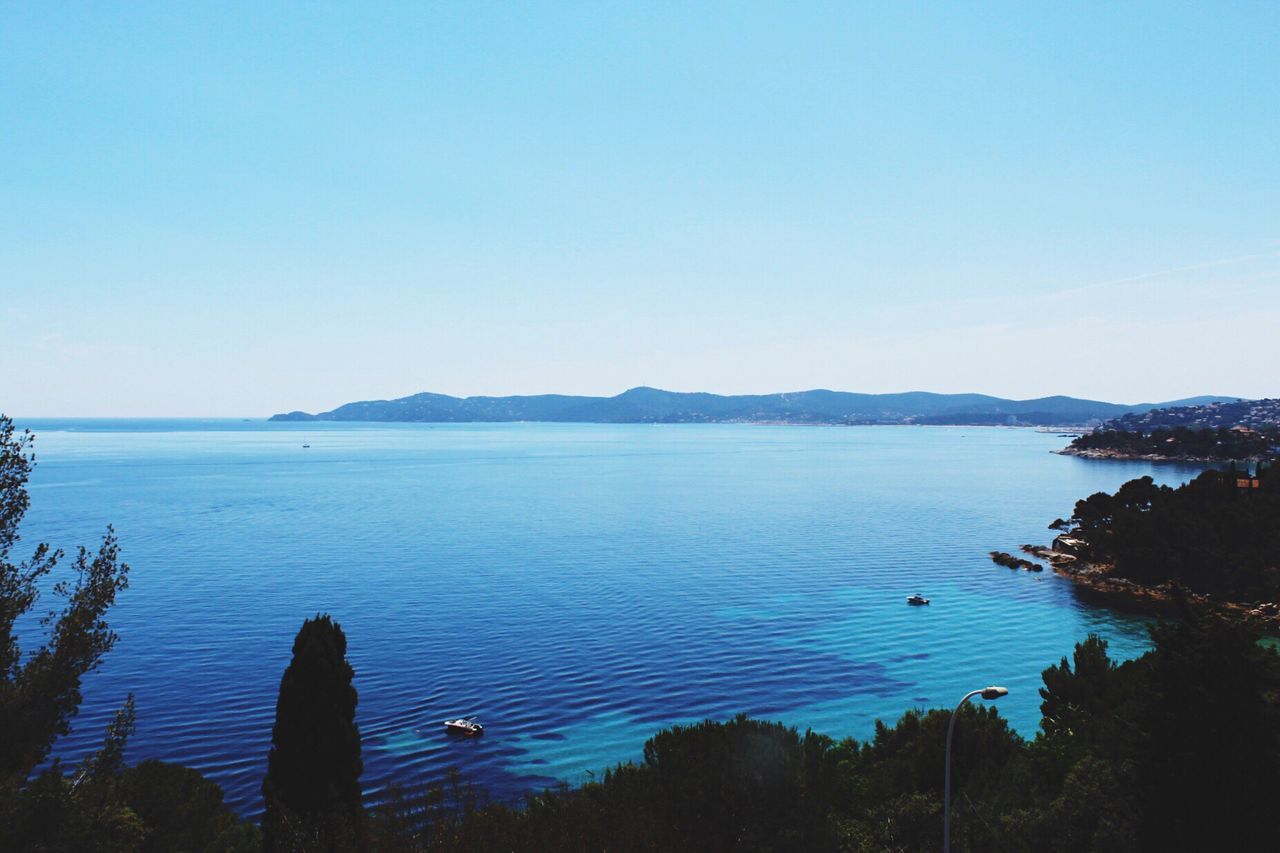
(182, 810)
(99, 806)
(312, 787)
(40, 692)
(1209, 535)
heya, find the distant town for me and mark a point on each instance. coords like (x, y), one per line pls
(1241, 431)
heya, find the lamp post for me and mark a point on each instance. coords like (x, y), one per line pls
(985, 693)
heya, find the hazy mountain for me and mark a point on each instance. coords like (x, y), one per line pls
(1201, 413)
(1190, 401)
(652, 405)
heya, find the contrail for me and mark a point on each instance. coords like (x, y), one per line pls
(1159, 273)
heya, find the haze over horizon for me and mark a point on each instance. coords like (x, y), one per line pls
(242, 210)
(1195, 399)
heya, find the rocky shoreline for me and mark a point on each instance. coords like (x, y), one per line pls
(1099, 582)
(1000, 558)
(1107, 453)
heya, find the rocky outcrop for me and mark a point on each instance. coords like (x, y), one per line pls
(1000, 558)
(1100, 582)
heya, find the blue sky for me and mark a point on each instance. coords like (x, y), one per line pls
(239, 209)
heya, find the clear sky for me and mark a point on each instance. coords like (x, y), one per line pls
(244, 208)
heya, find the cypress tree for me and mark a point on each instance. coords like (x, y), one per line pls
(312, 788)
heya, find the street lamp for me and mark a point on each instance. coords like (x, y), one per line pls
(985, 693)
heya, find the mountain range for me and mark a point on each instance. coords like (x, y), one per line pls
(653, 405)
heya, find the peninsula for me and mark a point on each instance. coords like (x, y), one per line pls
(653, 405)
(1240, 431)
(1215, 541)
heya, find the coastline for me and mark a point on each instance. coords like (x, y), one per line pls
(1097, 582)
(1120, 455)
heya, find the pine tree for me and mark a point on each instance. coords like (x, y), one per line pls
(40, 687)
(312, 787)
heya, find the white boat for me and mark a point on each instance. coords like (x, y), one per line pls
(464, 726)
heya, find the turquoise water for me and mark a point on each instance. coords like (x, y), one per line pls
(577, 586)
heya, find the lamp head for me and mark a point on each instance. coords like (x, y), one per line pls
(994, 692)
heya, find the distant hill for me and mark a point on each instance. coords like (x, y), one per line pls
(1201, 414)
(1235, 430)
(652, 405)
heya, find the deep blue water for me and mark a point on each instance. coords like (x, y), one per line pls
(578, 586)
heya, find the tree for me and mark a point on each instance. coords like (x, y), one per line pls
(100, 805)
(1212, 772)
(83, 811)
(312, 787)
(40, 695)
(182, 810)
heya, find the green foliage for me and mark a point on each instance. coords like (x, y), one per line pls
(1212, 711)
(183, 811)
(40, 691)
(1177, 750)
(1181, 442)
(104, 807)
(901, 771)
(1094, 810)
(312, 787)
(1087, 709)
(1208, 535)
(1260, 415)
(83, 811)
(101, 805)
(744, 784)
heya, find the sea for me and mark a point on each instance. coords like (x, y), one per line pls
(576, 586)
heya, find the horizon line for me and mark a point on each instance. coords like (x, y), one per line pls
(251, 417)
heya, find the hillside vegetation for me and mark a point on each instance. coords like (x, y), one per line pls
(653, 405)
(1218, 534)
(1209, 444)
(1254, 414)
(1221, 431)
(1176, 751)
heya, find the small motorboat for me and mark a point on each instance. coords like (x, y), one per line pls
(464, 726)
(305, 446)
(916, 600)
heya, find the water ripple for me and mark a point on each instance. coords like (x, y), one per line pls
(578, 586)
